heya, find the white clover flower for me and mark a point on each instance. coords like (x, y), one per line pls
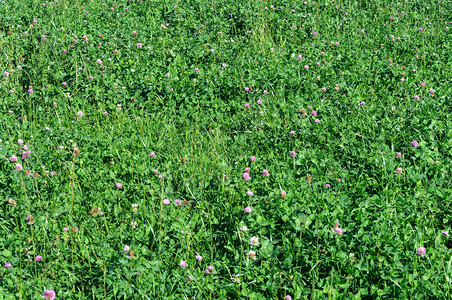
(254, 241)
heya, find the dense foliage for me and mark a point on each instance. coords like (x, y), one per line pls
(225, 149)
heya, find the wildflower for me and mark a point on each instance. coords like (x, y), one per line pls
(254, 240)
(287, 297)
(49, 294)
(399, 171)
(6, 74)
(65, 229)
(13, 158)
(292, 132)
(80, 114)
(196, 70)
(422, 83)
(247, 170)
(414, 143)
(7, 265)
(324, 89)
(126, 248)
(308, 178)
(198, 257)
(133, 224)
(421, 251)
(259, 102)
(249, 193)
(243, 228)
(265, 173)
(314, 113)
(223, 65)
(118, 185)
(178, 202)
(300, 57)
(152, 154)
(247, 89)
(247, 105)
(38, 258)
(362, 103)
(247, 209)
(18, 167)
(337, 229)
(303, 112)
(253, 158)
(246, 176)
(183, 264)
(445, 233)
(317, 120)
(235, 278)
(399, 155)
(292, 154)
(134, 207)
(265, 92)
(306, 67)
(432, 91)
(283, 194)
(417, 97)
(421, 29)
(12, 202)
(252, 254)
(30, 91)
(209, 269)
(190, 278)
(166, 201)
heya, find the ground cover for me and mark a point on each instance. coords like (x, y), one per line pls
(225, 150)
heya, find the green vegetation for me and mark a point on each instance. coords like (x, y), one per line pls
(128, 136)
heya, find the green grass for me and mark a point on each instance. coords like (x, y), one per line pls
(142, 100)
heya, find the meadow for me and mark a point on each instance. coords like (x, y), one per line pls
(225, 149)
